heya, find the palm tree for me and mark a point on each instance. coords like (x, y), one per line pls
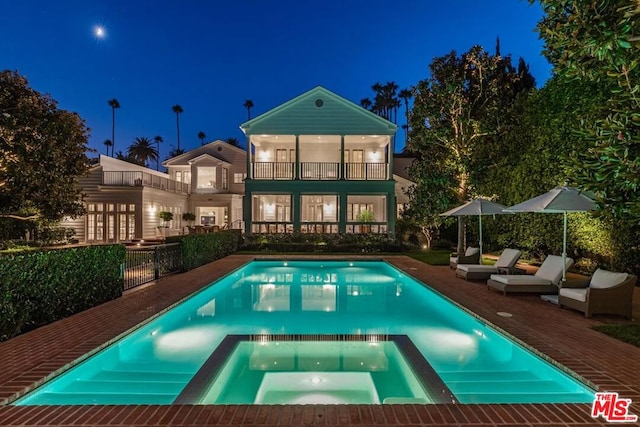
(141, 151)
(366, 103)
(177, 109)
(113, 103)
(233, 141)
(174, 152)
(406, 95)
(248, 104)
(158, 139)
(108, 144)
(202, 136)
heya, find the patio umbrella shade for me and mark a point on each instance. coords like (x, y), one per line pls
(477, 207)
(559, 200)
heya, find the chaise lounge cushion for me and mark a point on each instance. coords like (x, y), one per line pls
(545, 280)
(471, 256)
(508, 258)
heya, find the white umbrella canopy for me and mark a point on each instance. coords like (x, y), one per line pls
(477, 207)
(559, 200)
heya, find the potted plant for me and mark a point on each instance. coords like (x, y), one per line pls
(189, 217)
(366, 216)
(165, 217)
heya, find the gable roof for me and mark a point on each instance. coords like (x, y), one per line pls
(185, 158)
(206, 156)
(318, 111)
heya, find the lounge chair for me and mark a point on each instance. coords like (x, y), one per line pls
(506, 261)
(471, 256)
(545, 280)
(605, 292)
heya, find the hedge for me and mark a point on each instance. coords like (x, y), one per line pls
(199, 249)
(40, 287)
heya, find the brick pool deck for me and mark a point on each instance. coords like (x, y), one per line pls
(564, 335)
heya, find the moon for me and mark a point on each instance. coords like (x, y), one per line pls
(99, 32)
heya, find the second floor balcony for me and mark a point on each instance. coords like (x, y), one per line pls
(143, 179)
(320, 171)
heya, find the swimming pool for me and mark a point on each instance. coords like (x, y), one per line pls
(285, 303)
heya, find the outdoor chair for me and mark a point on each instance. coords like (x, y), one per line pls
(505, 264)
(606, 292)
(544, 281)
(471, 256)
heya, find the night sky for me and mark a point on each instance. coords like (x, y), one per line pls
(210, 56)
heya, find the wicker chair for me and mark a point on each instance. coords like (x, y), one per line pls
(605, 292)
(471, 256)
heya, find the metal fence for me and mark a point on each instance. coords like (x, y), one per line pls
(144, 264)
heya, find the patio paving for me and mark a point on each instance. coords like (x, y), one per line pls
(564, 335)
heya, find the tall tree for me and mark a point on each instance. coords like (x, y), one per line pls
(457, 110)
(201, 136)
(174, 152)
(600, 42)
(248, 104)
(366, 103)
(114, 104)
(233, 141)
(406, 95)
(178, 110)
(141, 151)
(108, 144)
(158, 139)
(42, 154)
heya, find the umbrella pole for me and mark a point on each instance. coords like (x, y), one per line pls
(564, 248)
(480, 234)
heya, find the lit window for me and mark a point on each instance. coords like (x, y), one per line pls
(206, 177)
(238, 178)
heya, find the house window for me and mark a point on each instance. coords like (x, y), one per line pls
(207, 177)
(95, 221)
(238, 178)
(225, 178)
(272, 208)
(179, 176)
(319, 208)
(355, 209)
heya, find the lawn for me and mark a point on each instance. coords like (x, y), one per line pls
(432, 256)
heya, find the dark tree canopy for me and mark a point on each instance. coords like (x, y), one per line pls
(42, 153)
(599, 41)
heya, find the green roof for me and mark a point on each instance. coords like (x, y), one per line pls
(318, 112)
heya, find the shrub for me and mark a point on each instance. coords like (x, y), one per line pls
(323, 243)
(199, 249)
(39, 287)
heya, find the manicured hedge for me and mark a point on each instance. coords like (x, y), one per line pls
(325, 243)
(37, 288)
(199, 249)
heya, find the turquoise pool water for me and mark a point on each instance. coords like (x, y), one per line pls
(268, 300)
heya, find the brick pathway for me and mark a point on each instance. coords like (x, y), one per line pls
(564, 335)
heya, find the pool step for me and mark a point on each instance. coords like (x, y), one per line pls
(486, 375)
(144, 376)
(129, 387)
(499, 387)
(524, 397)
(92, 398)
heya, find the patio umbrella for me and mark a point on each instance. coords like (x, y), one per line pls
(559, 200)
(477, 207)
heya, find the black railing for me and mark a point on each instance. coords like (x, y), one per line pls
(319, 170)
(273, 170)
(144, 264)
(143, 179)
(366, 171)
(271, 227)
(319, 227)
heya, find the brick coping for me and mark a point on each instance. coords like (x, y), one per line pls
(563, 335)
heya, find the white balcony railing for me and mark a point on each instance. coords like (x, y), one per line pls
(143, 179)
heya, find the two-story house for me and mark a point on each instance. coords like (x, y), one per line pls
(319, 164)
(315, 164)
(215, 174)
